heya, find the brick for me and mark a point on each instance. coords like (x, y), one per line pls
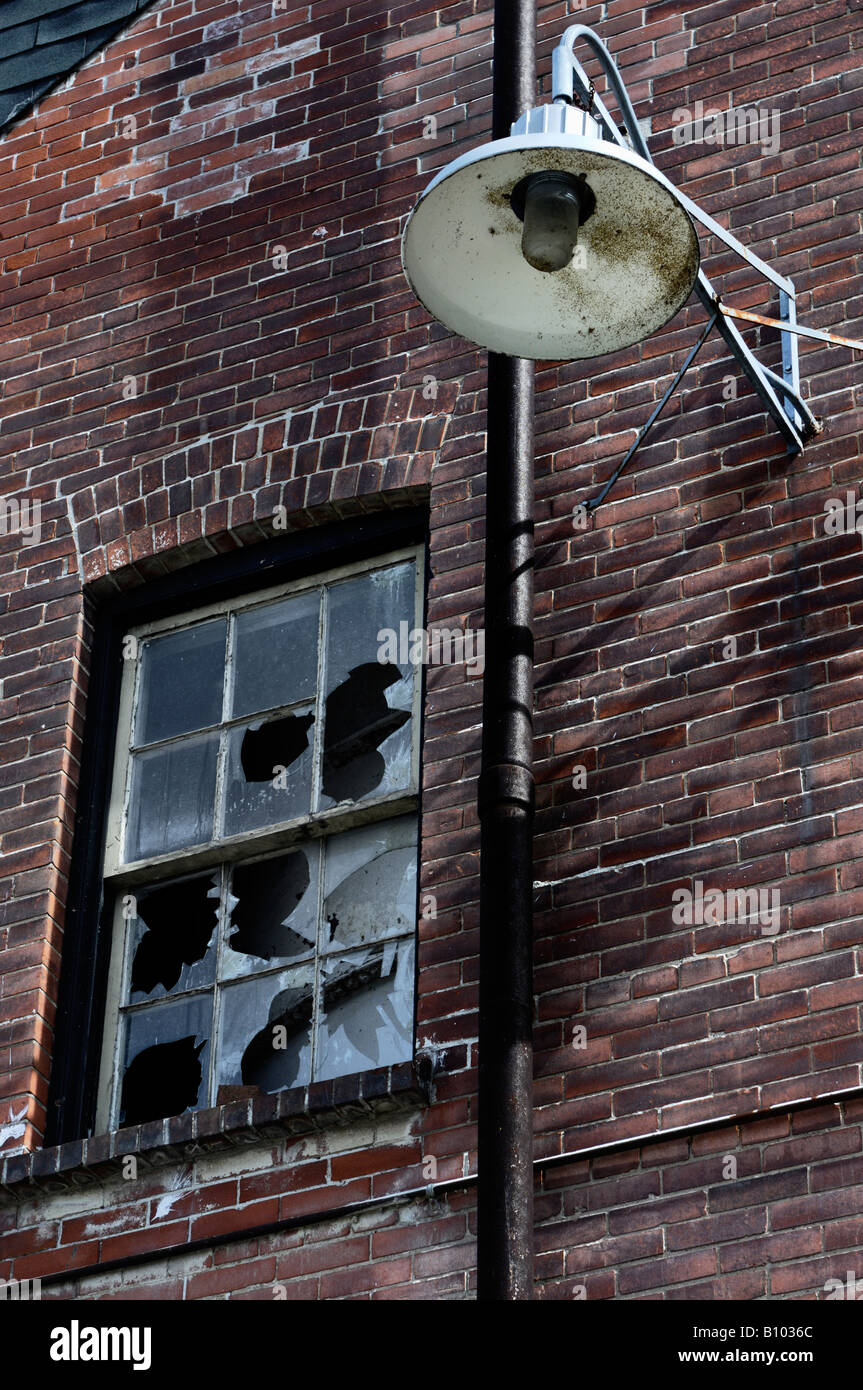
(673, 1270)
(304, 385)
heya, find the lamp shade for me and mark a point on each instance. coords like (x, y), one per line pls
(633, 266)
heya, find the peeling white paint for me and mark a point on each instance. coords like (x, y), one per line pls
(46, 1207)
(178, 1183)
(237, 1162)
(292, 154)
(78, 1201)
(15, 1130)
(385, 1129)
(180, 1266)
(303, 48)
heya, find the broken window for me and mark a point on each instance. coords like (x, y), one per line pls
(262, 847)
(269, 772)
(173, 936)
(367, 733)
(367, 1009)
(370, 884)
(166, 1059)
(266, 1040)
(273, 910)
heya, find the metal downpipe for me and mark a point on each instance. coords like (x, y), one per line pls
(506, 789)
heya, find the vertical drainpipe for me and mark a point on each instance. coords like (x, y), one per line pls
(506, 787)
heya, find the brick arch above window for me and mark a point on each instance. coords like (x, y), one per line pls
(280, 475)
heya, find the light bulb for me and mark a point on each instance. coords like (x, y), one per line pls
(551, 221)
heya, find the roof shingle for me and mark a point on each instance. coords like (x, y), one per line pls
(43, 41)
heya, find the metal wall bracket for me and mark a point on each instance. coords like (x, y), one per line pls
(780, 395)
(790, 359)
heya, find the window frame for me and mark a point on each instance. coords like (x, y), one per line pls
(109, 614)
(327, 823)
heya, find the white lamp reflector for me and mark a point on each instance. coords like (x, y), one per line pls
(634, 265)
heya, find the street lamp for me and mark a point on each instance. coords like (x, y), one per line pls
(551, 243)
(559, 239)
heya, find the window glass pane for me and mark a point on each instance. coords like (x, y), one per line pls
(370, 884)
(367, 724)
(173, 944)
(181, 682)
(367, 1016)
(269, 777)
(166, 1059)
(171, 800)
(275, 655)
(266, 1030)
(273, 908)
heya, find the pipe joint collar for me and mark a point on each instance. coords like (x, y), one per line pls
(506, 782)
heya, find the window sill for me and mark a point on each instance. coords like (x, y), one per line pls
(159, 1142)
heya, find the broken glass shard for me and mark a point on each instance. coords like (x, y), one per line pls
(358, 610)
(370, 884)
(367, 725)
(173, 937)
(266, 1030)
(166, 1059)
(182, 675)
(275, 743)
(275, 654)
(364, 748)
(269, 772)
(171, 799)
(273, 911)
(368, 1007)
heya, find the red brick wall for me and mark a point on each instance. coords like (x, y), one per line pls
(152, 258)
(769, 1208)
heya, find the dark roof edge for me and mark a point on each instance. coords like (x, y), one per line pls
(60, 38)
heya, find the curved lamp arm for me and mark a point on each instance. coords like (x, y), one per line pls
(566, 70)
(565, 66)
